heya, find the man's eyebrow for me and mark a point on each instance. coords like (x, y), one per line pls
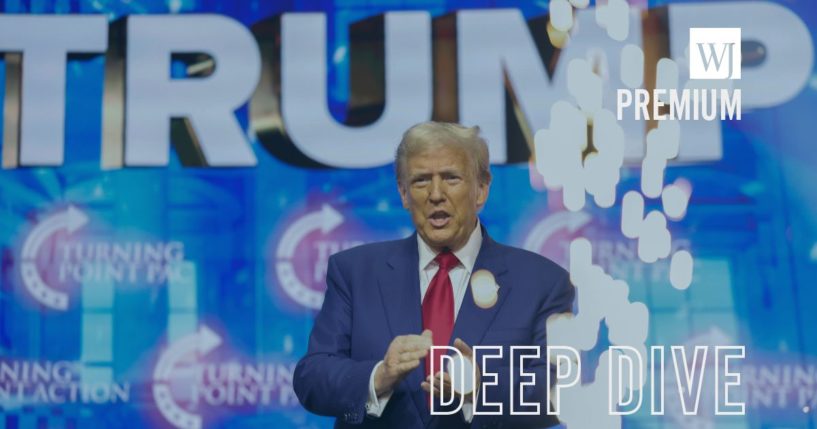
(419, 175)
(452, 170)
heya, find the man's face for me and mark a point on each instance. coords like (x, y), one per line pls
(442, 192)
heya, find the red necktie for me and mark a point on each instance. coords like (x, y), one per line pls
(438, 307)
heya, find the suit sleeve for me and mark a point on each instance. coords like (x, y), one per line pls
(327, 380)
(559, 300)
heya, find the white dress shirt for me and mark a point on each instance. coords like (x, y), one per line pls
(459, 276)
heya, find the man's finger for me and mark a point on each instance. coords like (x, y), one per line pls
(463, 348)
(427, 387)
(445, 382)
(416, 342)
(408, 366)
(427, 337)
(419, 354)
(444, 375)
(420, 343)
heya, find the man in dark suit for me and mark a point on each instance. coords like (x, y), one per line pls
(387, 303)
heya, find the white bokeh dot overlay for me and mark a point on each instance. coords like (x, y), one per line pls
(567, 164)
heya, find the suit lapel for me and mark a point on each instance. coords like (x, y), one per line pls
(473, 321)
(400, 292)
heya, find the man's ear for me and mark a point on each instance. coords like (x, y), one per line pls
(403, 195)
(483, 189)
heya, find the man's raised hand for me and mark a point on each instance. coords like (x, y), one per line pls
(403, 355)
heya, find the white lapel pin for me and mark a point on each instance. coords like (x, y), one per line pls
(484, 289)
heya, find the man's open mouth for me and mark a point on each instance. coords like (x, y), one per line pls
(439, 218)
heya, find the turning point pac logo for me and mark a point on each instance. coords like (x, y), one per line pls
(193, 382)
(301, 253)
(70, 221)
(324, 220)
(56, 260)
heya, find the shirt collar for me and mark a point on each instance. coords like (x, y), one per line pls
(467, 254)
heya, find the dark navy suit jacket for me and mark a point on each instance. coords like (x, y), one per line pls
(373, 295)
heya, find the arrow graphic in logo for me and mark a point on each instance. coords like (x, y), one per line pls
(202, 342)
(69, 220)
(325, 220)
(571, 221)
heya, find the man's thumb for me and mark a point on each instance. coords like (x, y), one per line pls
(462, 347)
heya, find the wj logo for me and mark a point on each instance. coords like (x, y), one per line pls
(714, 53)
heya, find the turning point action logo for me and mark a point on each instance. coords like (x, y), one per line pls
(55, 382)
(54, 259)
